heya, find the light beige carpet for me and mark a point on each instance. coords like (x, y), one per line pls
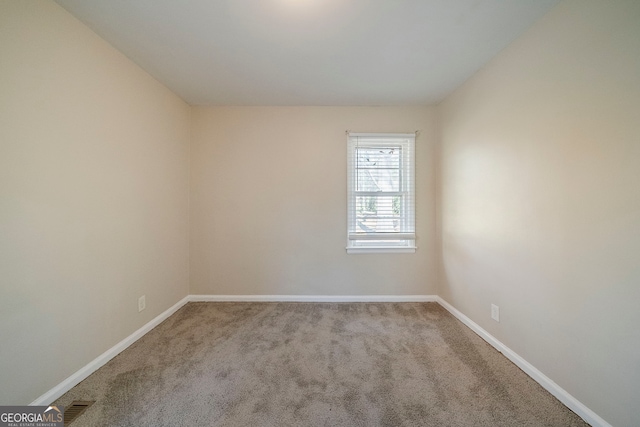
(312, 364)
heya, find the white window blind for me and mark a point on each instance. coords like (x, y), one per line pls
(381, 192)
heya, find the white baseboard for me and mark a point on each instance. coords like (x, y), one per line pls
(561, 394)
(571, 402)
(101, 360)
(313, 298)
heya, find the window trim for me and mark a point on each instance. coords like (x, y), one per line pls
(404, 141)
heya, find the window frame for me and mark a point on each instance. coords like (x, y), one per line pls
(362, 242)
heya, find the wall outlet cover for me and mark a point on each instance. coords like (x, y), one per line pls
(495, 312)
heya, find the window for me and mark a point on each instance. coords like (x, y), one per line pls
(381, 193)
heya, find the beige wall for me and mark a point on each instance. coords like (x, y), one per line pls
(268, 203)
(541, 201)
(93, 197)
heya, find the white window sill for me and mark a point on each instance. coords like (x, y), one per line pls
(403, 250)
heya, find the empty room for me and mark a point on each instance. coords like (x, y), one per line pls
(320, 212)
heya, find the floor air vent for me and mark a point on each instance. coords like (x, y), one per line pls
(75, 409)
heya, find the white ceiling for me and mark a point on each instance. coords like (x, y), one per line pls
(310, 52)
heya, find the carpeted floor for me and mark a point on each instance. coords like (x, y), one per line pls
(314, 364)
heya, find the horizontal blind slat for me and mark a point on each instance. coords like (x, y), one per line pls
(382, 236)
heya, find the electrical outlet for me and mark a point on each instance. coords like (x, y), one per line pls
(142, 303)
(495, 312)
